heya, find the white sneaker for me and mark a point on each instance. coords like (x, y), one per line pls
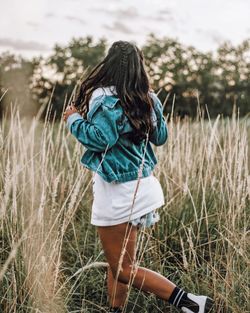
(205, 304)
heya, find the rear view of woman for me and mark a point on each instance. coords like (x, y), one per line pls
(120, 118)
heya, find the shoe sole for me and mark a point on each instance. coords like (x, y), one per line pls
(209, 305)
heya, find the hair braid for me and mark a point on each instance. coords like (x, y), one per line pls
(126, 48)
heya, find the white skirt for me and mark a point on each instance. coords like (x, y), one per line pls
(113, 202)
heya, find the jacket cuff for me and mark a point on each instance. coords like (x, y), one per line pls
(72, 118)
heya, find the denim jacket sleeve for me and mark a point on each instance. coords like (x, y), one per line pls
(160, 134)
(97, 134)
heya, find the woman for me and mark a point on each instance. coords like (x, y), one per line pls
(120, 118)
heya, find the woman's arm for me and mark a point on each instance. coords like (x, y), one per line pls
(97, 135)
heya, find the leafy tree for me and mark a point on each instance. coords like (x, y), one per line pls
(233, 73)
(184, 73)
(64, 68)
(181, 72)
(16, 76)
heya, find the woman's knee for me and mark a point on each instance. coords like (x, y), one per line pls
(126, 273)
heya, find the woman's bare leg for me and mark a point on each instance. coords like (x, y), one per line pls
(119, 245)
(117, 291)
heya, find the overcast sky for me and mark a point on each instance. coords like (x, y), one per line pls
(32, 27)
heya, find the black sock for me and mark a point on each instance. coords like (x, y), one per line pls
(179, 299)
(115, 309)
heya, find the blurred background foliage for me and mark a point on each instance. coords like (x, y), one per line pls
(217, 80)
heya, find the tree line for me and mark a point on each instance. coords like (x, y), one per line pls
(184, 75)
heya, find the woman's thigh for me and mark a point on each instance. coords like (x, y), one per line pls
(119, 245)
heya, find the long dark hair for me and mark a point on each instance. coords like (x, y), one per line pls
(123, 67)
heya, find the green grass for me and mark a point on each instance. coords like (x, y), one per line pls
(200, 243)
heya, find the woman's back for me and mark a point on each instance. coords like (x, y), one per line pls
(105, 132)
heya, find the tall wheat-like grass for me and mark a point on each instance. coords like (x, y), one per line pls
(51, 258)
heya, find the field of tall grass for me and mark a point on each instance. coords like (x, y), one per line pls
(51, 257)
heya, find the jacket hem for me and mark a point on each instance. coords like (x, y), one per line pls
(124, 177)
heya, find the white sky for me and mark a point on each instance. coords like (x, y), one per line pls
(32, 27)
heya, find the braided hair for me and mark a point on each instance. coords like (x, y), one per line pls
(123, 67)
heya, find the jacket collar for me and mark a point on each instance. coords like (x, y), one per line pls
(108, 91)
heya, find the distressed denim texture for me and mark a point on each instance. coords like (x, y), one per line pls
(108, 150)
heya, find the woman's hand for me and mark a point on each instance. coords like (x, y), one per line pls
(68, 111)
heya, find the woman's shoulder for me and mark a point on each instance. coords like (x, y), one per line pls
(103, 98)
(107, 96)
(101, 93)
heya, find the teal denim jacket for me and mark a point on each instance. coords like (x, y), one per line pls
(108, 151)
